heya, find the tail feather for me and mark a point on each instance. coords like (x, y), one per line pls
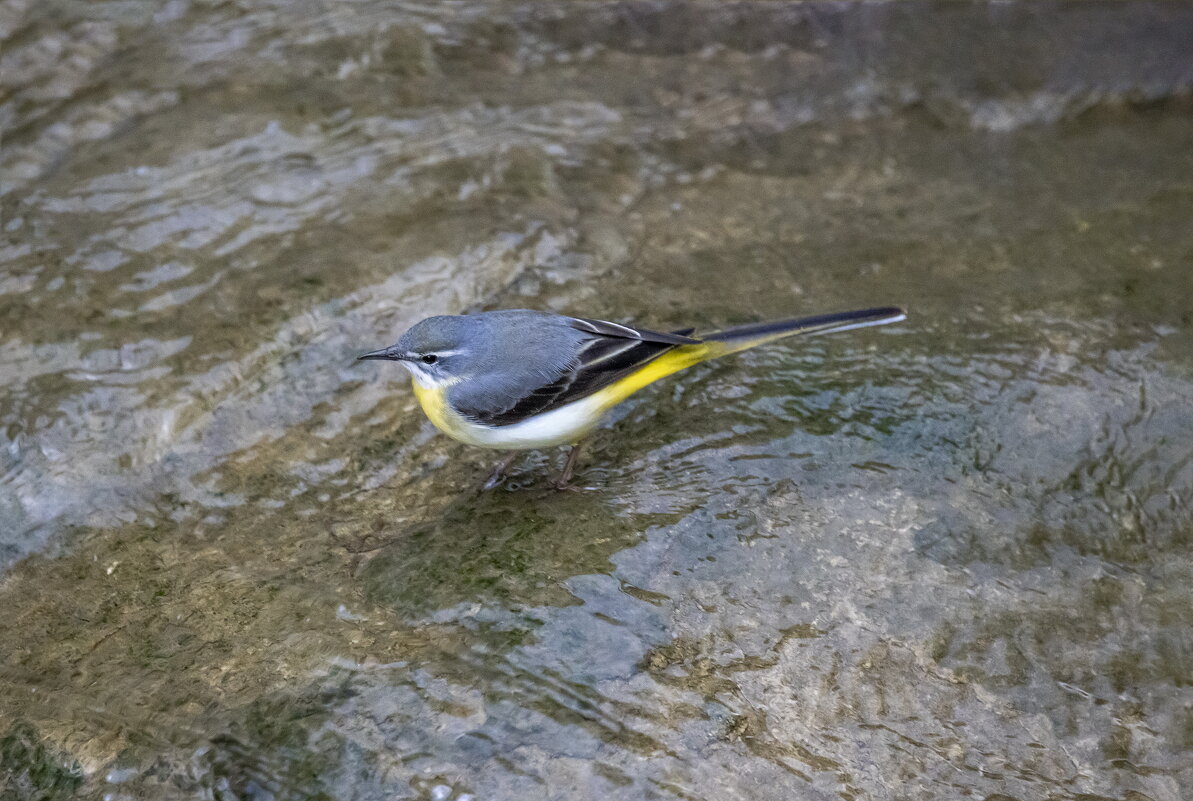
(732, 340)
(738, 338)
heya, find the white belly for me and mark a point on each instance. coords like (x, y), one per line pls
(563, 426)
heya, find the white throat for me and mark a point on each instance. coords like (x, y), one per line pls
(426, 379)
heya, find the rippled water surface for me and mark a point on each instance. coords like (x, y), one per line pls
(944, 559)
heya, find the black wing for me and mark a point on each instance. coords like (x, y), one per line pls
(613, 352)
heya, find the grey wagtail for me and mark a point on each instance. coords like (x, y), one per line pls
(521, 379)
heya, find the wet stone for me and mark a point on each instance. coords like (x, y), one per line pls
(943, 559)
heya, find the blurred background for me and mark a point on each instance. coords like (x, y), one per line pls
(944, 559)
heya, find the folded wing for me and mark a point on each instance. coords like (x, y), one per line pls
(612, 352)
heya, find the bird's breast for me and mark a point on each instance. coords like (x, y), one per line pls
(563, 426)
(438, 411)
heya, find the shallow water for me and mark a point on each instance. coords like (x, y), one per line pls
(943, 559)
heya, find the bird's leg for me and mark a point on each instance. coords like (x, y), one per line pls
(499, 472)
(564, 482)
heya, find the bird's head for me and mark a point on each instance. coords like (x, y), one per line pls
(436, 350)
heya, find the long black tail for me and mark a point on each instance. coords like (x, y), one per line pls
(747, 336)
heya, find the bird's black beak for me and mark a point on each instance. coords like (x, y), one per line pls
(388, 354)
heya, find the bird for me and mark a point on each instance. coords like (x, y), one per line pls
(519, 379)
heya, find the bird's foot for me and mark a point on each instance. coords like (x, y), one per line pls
(499, 472)
(564, 481)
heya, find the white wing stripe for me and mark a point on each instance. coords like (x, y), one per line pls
(607, 356)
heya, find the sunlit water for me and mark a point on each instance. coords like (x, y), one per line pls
(945, 559)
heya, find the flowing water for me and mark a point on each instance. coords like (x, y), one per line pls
(944, 559)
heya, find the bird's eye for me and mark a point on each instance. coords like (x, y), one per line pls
(430, 358)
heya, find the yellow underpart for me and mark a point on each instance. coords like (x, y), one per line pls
(670, 362)
(434, 403)
(434, 400)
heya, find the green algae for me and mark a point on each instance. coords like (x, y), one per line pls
(32, 770)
